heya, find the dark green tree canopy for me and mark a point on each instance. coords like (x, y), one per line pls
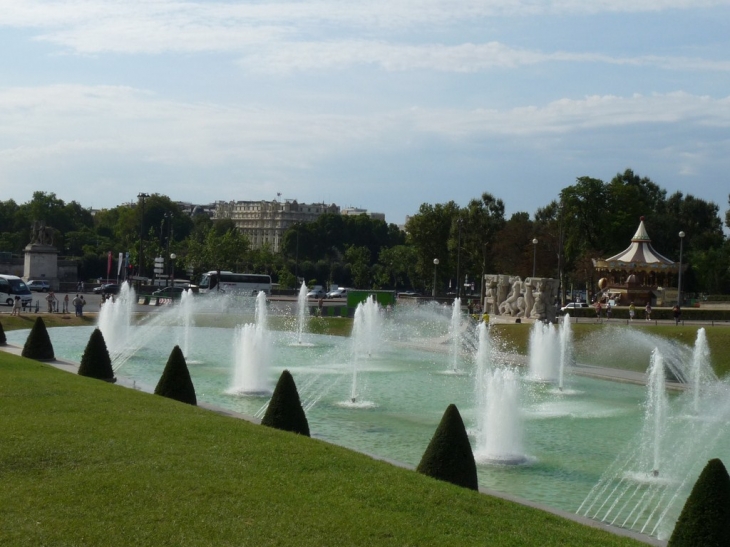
(705, 518)
(175, 382)
(285, 409)
(95, 362)
(38, 344)
(449, 456)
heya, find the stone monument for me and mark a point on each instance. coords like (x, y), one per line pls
(41, 257)
(533, 298)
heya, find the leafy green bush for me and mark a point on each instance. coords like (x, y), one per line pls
(3, 339)
(175, 381)
(449, 456)
(705, 517)
(38, 344)
(285, 409)
(95, 362)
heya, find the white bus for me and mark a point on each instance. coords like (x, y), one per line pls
(234, 283)
(12, 286)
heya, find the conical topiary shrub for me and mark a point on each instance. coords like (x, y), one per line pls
(96, 363)
(38, 344)
(705, 517)
(449, 456)
(285, 409)
(3, 339)
(175, 382)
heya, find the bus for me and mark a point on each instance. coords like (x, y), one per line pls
(12, 286)
(235, 283)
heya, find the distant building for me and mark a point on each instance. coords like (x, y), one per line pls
(266, 221)
(354, 211)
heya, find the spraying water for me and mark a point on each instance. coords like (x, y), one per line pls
(115, 318)
(455, 334)
(366, 334)
(186, 314)
(566, 349)
(253, 349)
(656, 409)
(544, 352)
(700, 367)
(301, 311)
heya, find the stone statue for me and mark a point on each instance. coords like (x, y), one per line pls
(41, 234)
(509, 295)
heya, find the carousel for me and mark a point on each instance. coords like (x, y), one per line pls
(635, 274)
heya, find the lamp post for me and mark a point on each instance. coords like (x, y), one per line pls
(173, 256)
(435, 264)
(534, 255)
(679, 281)
(140, 270)
(459, 222)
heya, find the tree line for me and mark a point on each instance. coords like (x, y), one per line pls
(589, 219)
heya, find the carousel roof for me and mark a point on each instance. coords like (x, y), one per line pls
(640, 254)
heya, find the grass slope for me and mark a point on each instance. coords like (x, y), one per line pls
(84, 462)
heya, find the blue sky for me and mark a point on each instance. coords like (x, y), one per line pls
(382, 105)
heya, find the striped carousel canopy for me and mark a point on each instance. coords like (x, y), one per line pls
(639, 255)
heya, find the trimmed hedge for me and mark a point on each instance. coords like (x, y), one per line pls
(705, 517)
(95, 362)
(3, 339)
(449, 456)
(285, 409)
(660, 314)
(38, 344)
(175, 382)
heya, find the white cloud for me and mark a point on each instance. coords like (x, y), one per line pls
(37, 123)
(153, 26)
(286, 57)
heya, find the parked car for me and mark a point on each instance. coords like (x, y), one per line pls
(39, 285)
(109, 288)
(339, 292)
(573, 305)
(316, 292)
(168, 292)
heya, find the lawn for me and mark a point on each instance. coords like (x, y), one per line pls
(83, 462)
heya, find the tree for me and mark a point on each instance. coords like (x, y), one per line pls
(705, 517)
(399, 266)
(38, 344)
(95, 362)
(175, 382)
(428, 232)
(358, 258)
(449, 456)
(285, 409)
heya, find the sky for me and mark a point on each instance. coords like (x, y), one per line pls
(381, 105)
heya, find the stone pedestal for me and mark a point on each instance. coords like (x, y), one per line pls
(41, 262)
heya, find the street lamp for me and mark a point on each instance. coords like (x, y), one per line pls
(140, 270)
(173, 256)
(435, 264)
(459, 222)
(534, 255)
(679, 281)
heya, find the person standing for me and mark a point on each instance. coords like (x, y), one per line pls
(81, 306)
(16, 306)
(50, 299)
(598, 308)
(65, 304)
(632, 311)
(648, 311)
(677, 311)
(77, 305)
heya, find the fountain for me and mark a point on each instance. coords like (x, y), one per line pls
(587, 450)
(455, 334)
(366, 334)
(566, 349)
(115, 318)
(186, 313)
(544, 352)
(499, 424)
(701, 371)
(302, 311)
(252, 355)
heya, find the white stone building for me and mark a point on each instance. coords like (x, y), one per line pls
(266, 221)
